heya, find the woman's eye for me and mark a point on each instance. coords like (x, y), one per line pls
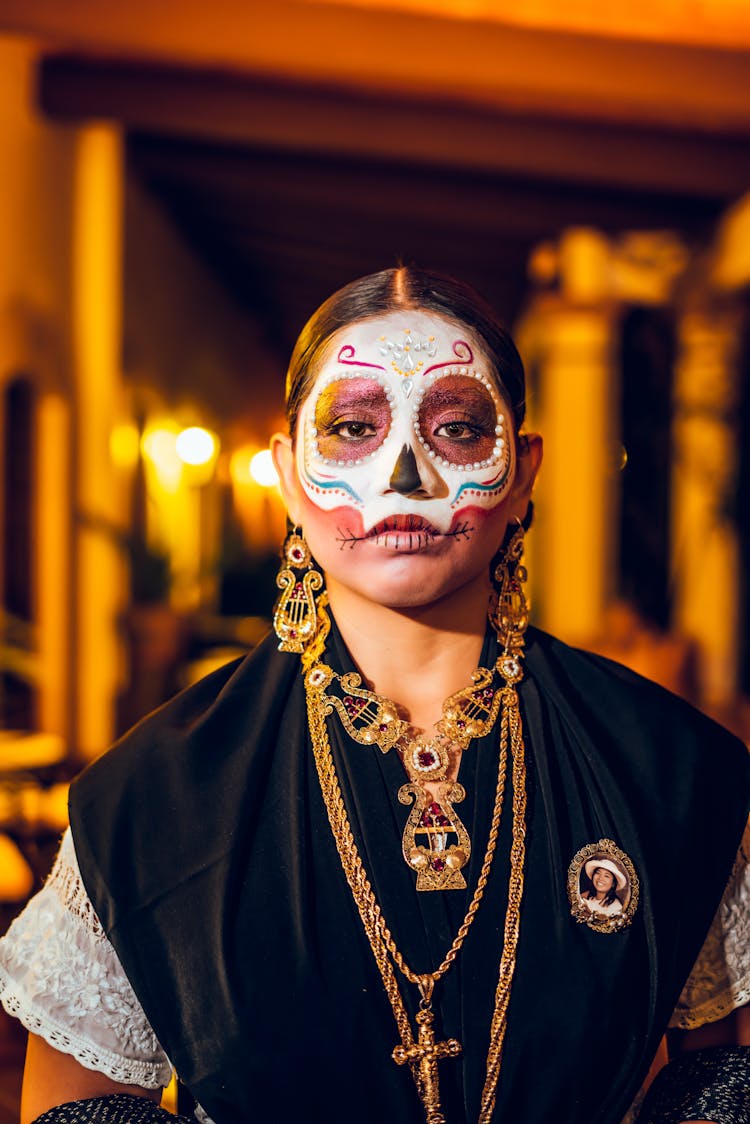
(458, 431)
(352, 430)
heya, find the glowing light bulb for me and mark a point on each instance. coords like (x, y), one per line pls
(196, 445)
(262, 469)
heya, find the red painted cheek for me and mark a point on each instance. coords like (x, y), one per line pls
(477, 516)
(344, 520)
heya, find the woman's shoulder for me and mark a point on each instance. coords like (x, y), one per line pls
(169, 793)
(554, 662)
(171, 763)
(213, 711)
(634, 719)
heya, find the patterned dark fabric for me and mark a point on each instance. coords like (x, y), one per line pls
(120, 1108)
(711, 1084)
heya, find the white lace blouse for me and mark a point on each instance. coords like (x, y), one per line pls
(61, 977)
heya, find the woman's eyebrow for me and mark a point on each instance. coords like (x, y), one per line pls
(350, 398)
(471, 397)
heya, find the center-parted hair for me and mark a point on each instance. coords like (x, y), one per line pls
(405, 289)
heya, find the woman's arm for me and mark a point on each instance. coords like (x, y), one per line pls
(733, 1030)
(51, 1078)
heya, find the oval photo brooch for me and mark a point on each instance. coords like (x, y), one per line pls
(603, 887)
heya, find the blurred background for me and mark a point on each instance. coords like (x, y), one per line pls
(183, 183)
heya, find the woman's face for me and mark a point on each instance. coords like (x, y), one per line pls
(404, 471)
(603, 880)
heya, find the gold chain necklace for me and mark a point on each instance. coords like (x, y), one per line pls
(424, 1053)
(435, 841)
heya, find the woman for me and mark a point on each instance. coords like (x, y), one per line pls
(325, 871)
(605, 880)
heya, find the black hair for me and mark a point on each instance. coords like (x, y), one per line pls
(406, 288)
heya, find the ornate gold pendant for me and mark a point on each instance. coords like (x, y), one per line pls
(368, 718)
(472, 711)
(435, 842)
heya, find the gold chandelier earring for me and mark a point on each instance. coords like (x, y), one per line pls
(295, 612)
(509, 609)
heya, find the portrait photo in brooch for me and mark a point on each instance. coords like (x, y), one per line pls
(603, 886)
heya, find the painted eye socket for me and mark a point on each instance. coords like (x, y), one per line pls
(352, 419)
(457, 419)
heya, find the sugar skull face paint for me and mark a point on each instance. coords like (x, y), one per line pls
(405, 434)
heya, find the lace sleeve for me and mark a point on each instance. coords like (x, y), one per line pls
(720, 980)
(61, 977)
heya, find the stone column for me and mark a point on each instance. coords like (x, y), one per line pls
(568, 339)
(705, 548)
(706, 554)
(97, 301)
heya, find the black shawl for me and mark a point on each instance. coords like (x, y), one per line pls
(204, 845)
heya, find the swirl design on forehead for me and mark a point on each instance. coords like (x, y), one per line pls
(347, 356)
(461, 351)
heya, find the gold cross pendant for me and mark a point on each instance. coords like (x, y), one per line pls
(426, 1053)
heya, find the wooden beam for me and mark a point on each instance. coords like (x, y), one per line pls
(410, 52)
(313, 118)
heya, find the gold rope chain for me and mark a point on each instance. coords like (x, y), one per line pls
(423, 1054)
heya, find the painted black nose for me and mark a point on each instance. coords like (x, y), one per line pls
(405, 476)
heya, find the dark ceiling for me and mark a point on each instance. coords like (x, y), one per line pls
(289, 190)
(284, 229)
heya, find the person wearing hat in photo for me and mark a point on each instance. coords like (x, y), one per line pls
(606, 880)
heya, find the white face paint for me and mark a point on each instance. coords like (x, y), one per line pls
(405, 434)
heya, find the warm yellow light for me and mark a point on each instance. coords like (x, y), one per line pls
(159, 446)
(124, 443)
(239, 466)
(262, 469)
(196, 445)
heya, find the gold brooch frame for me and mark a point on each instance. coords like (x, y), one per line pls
(616, 915)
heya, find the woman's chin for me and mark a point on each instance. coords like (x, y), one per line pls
(405, 580)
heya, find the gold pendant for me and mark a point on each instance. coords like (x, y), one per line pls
(424, 1055)
(435, 842)
(472, 711)
(368, 718)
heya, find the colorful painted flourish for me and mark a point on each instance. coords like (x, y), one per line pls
(332, 485)
(493, 486)
(351, 360)
(461, 350)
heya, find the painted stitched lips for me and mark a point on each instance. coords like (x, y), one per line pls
(399, 532)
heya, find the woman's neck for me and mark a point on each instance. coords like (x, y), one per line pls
(414, 656)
